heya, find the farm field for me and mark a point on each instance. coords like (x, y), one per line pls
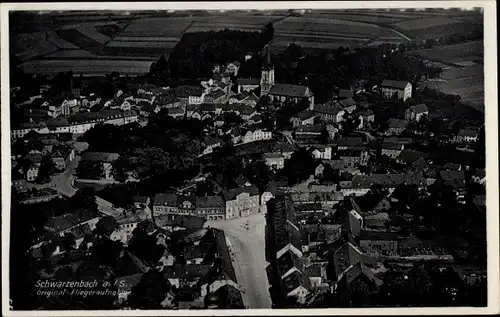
(77, 38)
(55, 40)
(87, 67)
(434, 27)
(233, 22)
(27, 46)
(467, 82)
(456, 53)
(154, 27)
(92, 33)
(312, 32)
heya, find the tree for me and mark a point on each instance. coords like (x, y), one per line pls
(299, 167)
(106, 252)
(84, 199)
(47, 168)
(68, 241)
(151, 290)
(120, 167)
(106, 225)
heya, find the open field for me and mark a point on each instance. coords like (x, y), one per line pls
(467, 82)
(92, 33)
(424, 23)
(27, 46)
(234, 22)
(60, 43)
(329, 33)
(153, 27)
(77, 38)
(87, 67)
(457, 53)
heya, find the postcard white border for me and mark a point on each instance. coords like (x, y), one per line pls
(491, 112)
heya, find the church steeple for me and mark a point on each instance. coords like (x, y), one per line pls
(267, 74)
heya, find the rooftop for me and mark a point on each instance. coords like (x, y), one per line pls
(394, 84)
(290, 90)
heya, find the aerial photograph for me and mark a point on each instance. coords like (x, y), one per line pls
(247, 159)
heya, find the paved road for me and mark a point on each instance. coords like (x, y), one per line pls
(62, 182)
(249, 262)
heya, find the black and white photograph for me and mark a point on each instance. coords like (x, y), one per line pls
(237, 157)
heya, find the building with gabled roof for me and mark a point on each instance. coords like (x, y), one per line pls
(400, 89)
(415, 113)
(284, 251)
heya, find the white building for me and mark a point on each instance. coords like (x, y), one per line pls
(402, 89)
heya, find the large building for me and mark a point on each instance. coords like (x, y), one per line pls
(401, 89)
(242, 202)
(282, 92)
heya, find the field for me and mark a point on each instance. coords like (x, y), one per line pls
(27, 46)
(77, 38)
(312, 32)
(88, 67)
(234, 22)
(451, 54)
(433, 27)
(467, 81)
(57, 41)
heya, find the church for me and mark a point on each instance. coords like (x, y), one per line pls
(282, 92)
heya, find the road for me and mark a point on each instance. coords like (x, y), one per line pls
(63, 182)
(249, 259)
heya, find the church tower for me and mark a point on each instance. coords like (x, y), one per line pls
(267, 75)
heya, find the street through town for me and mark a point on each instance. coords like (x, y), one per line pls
(249, 259)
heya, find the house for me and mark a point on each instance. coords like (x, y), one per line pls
(209, 207)
(392, 150)
(222, 273)
(345, 94)
(177, 112)
(246, 112)
(329, 112)
(104, 158)
(379, 242)
(361, 184)
(455, 179)
(141, 202)
(269, 193)
(256, 135)
(68, 223)
(291, 93)
(409, 157)
(354, 157)
(368, 116)
(350, 143)
(245, 98)
(308, 132)
(242, 202)
(349, 105)
(286, 269)
(174, 222)
(247, 84)
(305, 117)
(129, 272)
(216, 96)
(33, 163)
(274, 160)
(401, 89)
(211, 144)
(233, 68)
(322, 152)
(216, 68)
(62, 156)
(148, 109)
(335, 165)
(415, 113)
(467, 135)
(479, 176)
(395, 126)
